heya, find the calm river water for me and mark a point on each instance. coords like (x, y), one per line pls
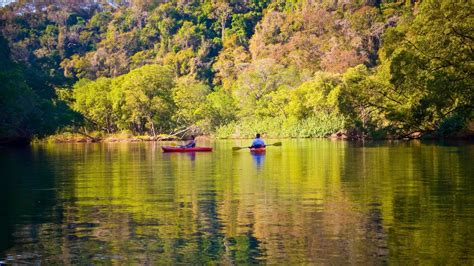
(309, 201)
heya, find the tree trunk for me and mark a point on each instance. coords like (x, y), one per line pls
(153, 131)
(223, 20)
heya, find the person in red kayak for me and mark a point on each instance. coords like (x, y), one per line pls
(190, 144)
(258, 142)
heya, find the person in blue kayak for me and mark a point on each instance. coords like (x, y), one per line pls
(190, 144)
(258, 142)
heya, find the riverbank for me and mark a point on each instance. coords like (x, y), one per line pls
(100, 137)
(340, 135)
(270, 129)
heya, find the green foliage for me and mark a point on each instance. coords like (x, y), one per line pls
(259, 84)
(221, 108)
(26, 106)
(316, 96)
(142, 99)
(92, 99)
(20, 109)
(154, 67)
(451, 125)
(190, 97)
(280, 127)
(138, 101)
(430, 60)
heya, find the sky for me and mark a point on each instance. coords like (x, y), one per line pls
(5, 2)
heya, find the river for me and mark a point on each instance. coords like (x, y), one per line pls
(306, 202)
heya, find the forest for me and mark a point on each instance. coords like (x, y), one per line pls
(286, 68)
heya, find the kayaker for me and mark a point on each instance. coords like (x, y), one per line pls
(191, 143)
(258, 142)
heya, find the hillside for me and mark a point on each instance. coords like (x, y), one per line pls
(301, 68)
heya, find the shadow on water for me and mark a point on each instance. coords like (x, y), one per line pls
(28, 192)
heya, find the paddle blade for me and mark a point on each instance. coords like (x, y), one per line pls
(275, 144)
(237, 148)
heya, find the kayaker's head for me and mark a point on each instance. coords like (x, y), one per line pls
(258, 136)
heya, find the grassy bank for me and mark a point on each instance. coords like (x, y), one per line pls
(279, 127)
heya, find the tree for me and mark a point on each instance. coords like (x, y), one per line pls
(92, 99)
(260, 79)
(25, 110)
(190, 97)
(316, 96)
(359, 98)
(143, 99)
(221, 12)
(231, 59)
(222, 108)
(431, 60)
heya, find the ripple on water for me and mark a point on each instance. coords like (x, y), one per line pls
(308, 202)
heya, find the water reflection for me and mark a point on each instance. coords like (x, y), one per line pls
(192, 156)
(188, 155)
(258, 159)
(310, 202)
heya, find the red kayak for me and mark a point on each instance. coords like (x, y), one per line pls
(257, 150)
(180, 149)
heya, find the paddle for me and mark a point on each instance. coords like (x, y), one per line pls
(274, 144)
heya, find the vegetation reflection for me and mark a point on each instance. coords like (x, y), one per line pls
(306, 202)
